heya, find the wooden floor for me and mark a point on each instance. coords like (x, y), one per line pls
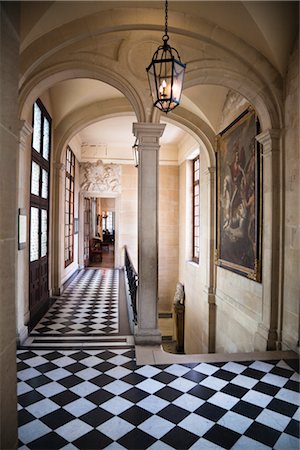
(108, 259)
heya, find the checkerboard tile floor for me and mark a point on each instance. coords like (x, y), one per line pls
(89, 305)
(91, 399)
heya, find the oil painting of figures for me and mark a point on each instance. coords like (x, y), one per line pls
(239, 197)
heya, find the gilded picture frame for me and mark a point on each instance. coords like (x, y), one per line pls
(239, 197)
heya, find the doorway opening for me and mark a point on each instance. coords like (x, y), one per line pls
(99, 234)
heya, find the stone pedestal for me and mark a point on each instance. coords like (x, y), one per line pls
(148, 137)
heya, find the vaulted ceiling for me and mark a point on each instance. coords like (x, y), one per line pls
(268, 26)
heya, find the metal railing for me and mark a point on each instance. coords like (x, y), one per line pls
(132, 279)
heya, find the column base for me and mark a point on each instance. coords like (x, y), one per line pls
(22, 335)
(148, 337)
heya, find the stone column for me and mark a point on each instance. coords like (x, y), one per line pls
(267, 333)
(148, 135)
(9, 138)
(211, 268)
(22, 282)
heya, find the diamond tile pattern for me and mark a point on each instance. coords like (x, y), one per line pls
(89, 399)
(89, 305)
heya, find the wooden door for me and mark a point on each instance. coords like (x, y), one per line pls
(39, 214)
(87, 220)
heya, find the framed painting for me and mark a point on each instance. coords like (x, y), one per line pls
(239, 199)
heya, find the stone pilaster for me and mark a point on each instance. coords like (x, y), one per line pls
(267, 333)
(148, 137)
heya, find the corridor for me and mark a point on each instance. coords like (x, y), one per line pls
(79, 386)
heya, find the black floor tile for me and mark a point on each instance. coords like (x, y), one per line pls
(222, 436)
(96, 417)
(102, 380)
(282, 372)
(48, 441)
(57, 418)
(135, 415)
(134, 395)
(247, 409)
(292, 385)
(202, 392)
(211, 412)
(266, 388)
(179, 438)
(134, 378)
(93, 440)
(262, 433)
(99, 397)
(136, 440)
(70, 381)
(168, 393)
(253, 373)
(224, 375)
(164, 377)
(288, 409)
(234, 390)
(29, 398)
(76, 367)
(63, 398)
(24, 417)
(39, 381)
(195, 376)
(47, 367)
(173, 413)
(293, 428)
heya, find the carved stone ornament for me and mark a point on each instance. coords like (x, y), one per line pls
(99, 178)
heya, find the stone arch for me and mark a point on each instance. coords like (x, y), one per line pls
(61, 72)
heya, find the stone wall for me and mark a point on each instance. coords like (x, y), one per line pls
(9, 137)
(291, 288)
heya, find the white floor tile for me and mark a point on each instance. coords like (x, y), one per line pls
(288, 396)
(206, 369)
(116, 405)
(188, 402)
(156, 426)
(58, 374)
(214, 383)
(246, 443)
(235, 422)
(84, 389)
(43, 407)
(115, 428)
(182, 384)
(79, 407)
(257, 398)
(32, 430)
(196, 424)
(275, 380)
(26, 374)
(23, 387)
(262, 366)
(153, 404)
(150, 386)
(117, 387)
(177, 370)
(223, 400)
(148, 371)
(50, 389)
(287, 442)
(273, 419)
(88, 374)
(118, 372)
(243, 381)
(73, 430)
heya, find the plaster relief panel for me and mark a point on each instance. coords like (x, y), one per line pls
(97, 178)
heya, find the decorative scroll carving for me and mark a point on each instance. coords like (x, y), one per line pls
(101, 178)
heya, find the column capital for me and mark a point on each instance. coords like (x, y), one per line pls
(148, 134)
(270, 139)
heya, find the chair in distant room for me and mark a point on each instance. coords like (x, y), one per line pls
(95, 250)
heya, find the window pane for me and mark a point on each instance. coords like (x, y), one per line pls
(46, 139)
(44, 224)
(45, 184)
(37, 119)
(35, 178)
(34, 234)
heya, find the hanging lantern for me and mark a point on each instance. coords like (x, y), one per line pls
(166, 74)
